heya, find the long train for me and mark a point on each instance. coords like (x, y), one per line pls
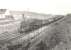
(30, 33)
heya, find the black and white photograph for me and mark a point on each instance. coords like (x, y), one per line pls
(35, 25)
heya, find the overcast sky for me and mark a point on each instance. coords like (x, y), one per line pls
(40, 6)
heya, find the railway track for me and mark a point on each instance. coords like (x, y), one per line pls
(35, 35)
